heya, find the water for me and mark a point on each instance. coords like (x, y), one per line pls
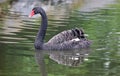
(99, 19)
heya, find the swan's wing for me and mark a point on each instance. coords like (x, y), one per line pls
(73, 44)
(68, 45)
(66, 36)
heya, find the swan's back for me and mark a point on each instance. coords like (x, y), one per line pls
(66, 36)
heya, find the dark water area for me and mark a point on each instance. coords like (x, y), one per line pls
(99, 19)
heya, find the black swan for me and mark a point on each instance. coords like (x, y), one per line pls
(66, 40)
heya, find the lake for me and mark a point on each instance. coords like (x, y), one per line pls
(99, 19)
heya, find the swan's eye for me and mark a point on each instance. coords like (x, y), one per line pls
(32, 13)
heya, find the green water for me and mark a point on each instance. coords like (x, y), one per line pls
(102, 25)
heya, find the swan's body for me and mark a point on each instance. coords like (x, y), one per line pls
(66, 40)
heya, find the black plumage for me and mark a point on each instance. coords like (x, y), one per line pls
(66, 40)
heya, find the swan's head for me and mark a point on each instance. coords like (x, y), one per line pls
(36, 10)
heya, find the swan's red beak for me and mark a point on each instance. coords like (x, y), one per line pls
(32, 13)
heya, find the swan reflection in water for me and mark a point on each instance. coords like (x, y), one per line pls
(69, 58)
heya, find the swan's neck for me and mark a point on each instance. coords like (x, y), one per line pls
(42, 29)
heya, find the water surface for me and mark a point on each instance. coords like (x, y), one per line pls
(99, 19)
